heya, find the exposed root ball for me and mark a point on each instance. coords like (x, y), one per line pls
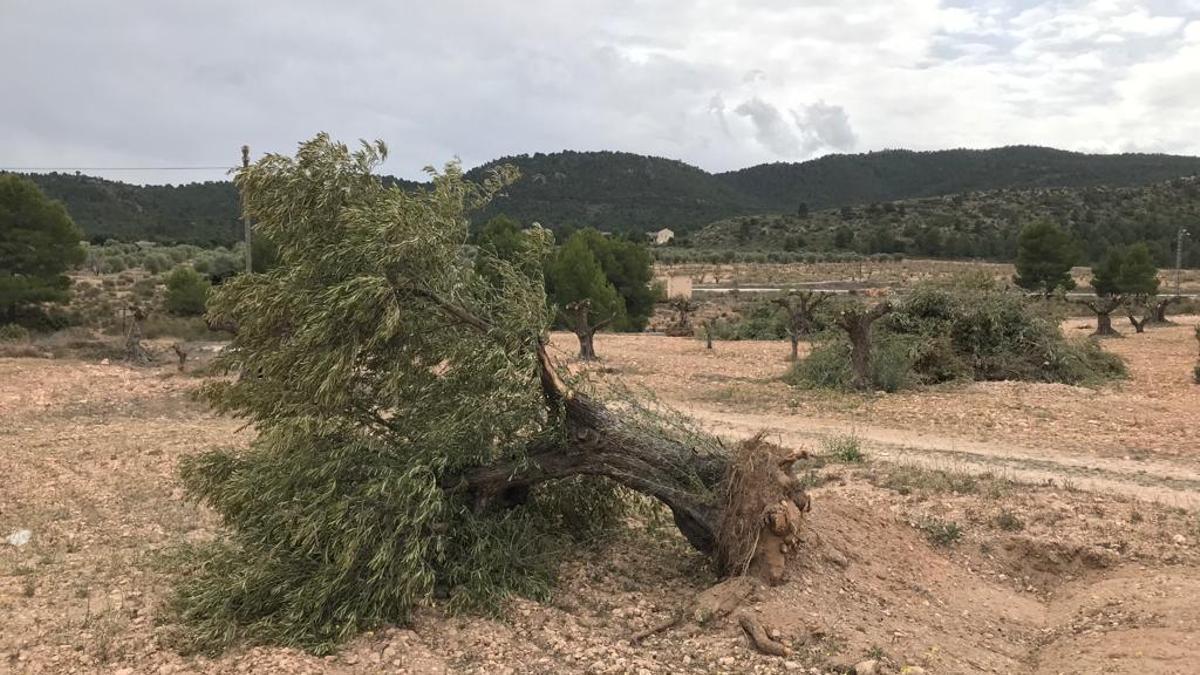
(762, 510)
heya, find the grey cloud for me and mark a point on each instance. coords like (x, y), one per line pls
(825, 126)
(716, 107)
(770, 129)
(146, 82)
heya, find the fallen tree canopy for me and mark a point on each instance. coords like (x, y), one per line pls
(414, 440)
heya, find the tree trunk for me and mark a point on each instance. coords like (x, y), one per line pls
(1139, 326)
(134, 351)
(1158, 312)
(587, 345)
(860, 356)
(800, 306)
(584, 330)
(742, 508)
(1104, 327)
(857, 324)
(708, 332)
(694, 484)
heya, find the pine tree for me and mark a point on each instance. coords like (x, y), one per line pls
(38, 243)
(1045, 256)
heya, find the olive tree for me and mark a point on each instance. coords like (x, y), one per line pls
(415, 440)
(856, 320)
(1126, 275)
(800, 308)
(587, 301)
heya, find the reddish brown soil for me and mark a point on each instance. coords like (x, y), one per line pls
(1038, 579)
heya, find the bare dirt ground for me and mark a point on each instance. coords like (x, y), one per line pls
(995, 527)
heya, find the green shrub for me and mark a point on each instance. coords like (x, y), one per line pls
(828, 364)
(11, 332)
(988, 334)
(158, 262)
(939, 334)
(757, 320)
(187, 292)
(143, 289)
(1008, 521)
(844, 448)
(940, 532)
(190, 328)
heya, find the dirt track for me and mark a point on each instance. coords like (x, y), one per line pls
(1169, 482)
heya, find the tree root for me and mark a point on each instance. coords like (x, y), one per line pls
(759, 638)
(709, 605)
(657, 628)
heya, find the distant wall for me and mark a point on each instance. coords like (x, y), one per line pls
(676, 286)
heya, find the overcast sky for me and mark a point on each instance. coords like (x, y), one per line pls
(718, 83)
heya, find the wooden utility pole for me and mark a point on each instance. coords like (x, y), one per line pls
(1179, 258)
(245, 214)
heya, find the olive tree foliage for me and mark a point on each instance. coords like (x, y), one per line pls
(414, 438)
(187, 291)
(1127, 276)
(587, 300)
(383, 365)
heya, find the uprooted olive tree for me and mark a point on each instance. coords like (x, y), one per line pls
(414, 439)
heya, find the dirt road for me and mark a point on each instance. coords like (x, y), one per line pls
(1164, 481)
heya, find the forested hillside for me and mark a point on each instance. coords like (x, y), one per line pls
(196, 213)
(838, 180)
(616, 191)
(619, 191)
(980, 224)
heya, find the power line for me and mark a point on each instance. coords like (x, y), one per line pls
(116, 168)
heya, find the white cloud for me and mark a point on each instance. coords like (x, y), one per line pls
(825, 126)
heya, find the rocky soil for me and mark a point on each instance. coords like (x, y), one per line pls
(910, 566)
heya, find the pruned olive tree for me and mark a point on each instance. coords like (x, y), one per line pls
(1126, 276)
(800, 308)
(588, 302)
(684, 308)
(1107, 287)
(857, 320)
(1157, 310)
(414, 439)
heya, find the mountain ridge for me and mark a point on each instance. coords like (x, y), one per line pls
(624, 191)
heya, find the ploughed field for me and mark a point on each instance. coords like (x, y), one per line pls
(990, 527)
